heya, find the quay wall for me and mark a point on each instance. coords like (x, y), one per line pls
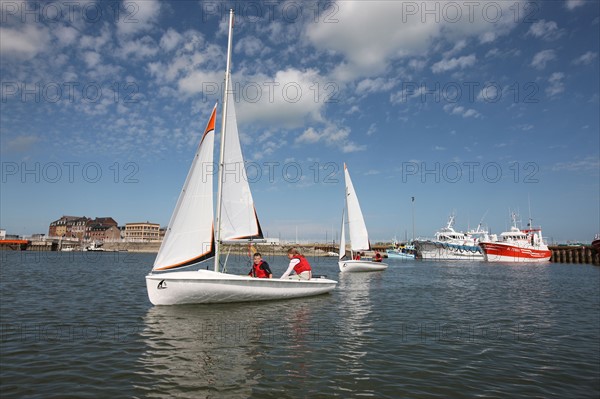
(585, 254)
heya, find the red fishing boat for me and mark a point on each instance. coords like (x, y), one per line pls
(517, 246)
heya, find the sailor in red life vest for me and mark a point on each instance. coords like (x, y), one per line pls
(260, 268)
(377, 257)
(299, 265)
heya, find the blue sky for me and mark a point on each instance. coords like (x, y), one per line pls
(473, 108)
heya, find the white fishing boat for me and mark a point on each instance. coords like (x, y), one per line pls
(359, 236)
(193, 237)
(450, 244)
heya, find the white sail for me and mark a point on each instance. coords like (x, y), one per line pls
(359, 237)
(342, 253)
(190, 237)
(238, 216)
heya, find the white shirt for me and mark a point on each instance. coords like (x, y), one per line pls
(293, 262)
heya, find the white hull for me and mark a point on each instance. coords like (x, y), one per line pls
(205, 286)
(356, 266)
(399, 255)
(442, 251)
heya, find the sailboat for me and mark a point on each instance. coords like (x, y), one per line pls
(194, 237)
(359, 237)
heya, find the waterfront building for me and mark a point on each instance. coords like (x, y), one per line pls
(62, 227)
(143, 231)
(102, 233)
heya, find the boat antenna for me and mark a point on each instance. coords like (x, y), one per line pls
(530, 223)
(222, 152)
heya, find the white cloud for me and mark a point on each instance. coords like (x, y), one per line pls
(489, 93)
(24, 43)
(170, 39)
(572, 4)
(374, 85)
(459, 110)
(547, 30)
(372, 129)
(21, 143)
(137, 16)
(353, 147)
(542, 58)
(137, 49)
(66, 35)
(331, 135)
(398, 29)
(251, 46)
(458, 47)
(289, 99)
(585, 59)
(453, 63)
(417, 65)
(309, 136)
(91, 58)
(556, 84)
(354, 109)
(588, 163)
(97, 43)
(199, 82)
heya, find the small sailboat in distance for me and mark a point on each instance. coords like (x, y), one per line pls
(359, 237)
(194, 236)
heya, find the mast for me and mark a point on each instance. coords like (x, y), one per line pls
(222, 151)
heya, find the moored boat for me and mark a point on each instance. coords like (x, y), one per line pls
(596, 243)
(517, 246)
(401, 251)
(450, 244)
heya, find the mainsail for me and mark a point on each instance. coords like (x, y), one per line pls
(189, 237)
(359, 237)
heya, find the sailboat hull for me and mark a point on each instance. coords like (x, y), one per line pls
(205, 286)
(357, 266)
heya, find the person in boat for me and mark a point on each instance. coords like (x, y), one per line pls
(260, 268)
(299, 265)
(356, 256)
(377, 257)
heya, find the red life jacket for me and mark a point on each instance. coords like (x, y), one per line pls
(257, 271)
(303, 266)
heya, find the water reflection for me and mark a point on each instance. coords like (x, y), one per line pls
(230, 349)
(355, 307)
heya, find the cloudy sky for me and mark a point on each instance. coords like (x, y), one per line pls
(472, 108)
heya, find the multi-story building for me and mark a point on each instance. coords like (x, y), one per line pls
(143, 231)
(79, 227)
(62, 227)
(104, 233)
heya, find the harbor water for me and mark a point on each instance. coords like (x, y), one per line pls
(80, 325)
